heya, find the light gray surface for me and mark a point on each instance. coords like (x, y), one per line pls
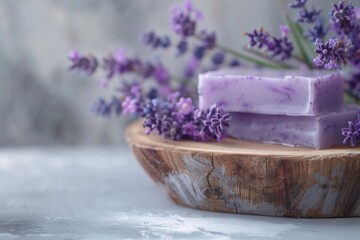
(104, 194)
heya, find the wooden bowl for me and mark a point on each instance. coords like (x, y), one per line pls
(245, 177)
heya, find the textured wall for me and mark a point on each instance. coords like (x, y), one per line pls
(42, 103)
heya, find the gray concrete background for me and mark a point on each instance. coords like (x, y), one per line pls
(43, 104)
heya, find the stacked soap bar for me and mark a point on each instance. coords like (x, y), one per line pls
(313, 131)
(272, 92)
(284, 107)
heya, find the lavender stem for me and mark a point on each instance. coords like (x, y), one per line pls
(262, 55)
(244, 56)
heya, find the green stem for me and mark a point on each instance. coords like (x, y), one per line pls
(245, 57)
(249, 58)
(349, 98)
(299, 59)
(296, 33)
(266, 57)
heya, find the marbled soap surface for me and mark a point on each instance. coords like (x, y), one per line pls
(295, 93)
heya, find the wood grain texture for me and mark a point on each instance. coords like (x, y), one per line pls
(245, 177)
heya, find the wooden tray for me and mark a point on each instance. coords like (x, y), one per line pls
(244, 177)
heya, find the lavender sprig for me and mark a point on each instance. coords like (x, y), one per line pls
(343, 18)
(105, 109)
(318, 30)
(352, 132)
(184, 21)
(177, 119)
(280, 47)
(330, 54)
(85, 64)
(154, 41)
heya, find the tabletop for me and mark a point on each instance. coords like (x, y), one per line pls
(100, 193)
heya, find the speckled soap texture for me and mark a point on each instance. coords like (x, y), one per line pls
(315, 132)
(293, 93)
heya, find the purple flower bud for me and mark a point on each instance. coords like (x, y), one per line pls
(218, 58)
(330, 54)
(351, 133)
(258, 38)
(199, 52)
(148, 38)
(191, 67)
(85, 64)
(234, 63)
(189, 129)
(116, 105)
(308, 16)
(161, 75)
(185, 106)
(103, 108)
(152, 40)
(343, 18)
(182, 47)
(129, 105)
(317, 31)
(152, 94)
(208, 39)
(285, 30)
(165, 42)
(74, 55)
(182, 21)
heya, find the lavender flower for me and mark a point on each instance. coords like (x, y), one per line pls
(281, 47)
(216, 121)
(199, 52)
(189, 129)
(132, 89)
(119, 63)
(184, 106)
(104, 108)
(191, 67)
(154, 41)
(308, 16)
(285, 30)
(351, 133)
(305, 15)
(184, 18)
(116, 105)
(208, 39)
(129, 105)
(161, 74)
(278, 47)
(85, 64)
(218, 58)
(234, 63)
(343, 17)
(258, 38)
(330, 54)
(176, 119)
(317, 31)
(182, 47)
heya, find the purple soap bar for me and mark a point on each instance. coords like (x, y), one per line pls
(311, 131)
(294, 93)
